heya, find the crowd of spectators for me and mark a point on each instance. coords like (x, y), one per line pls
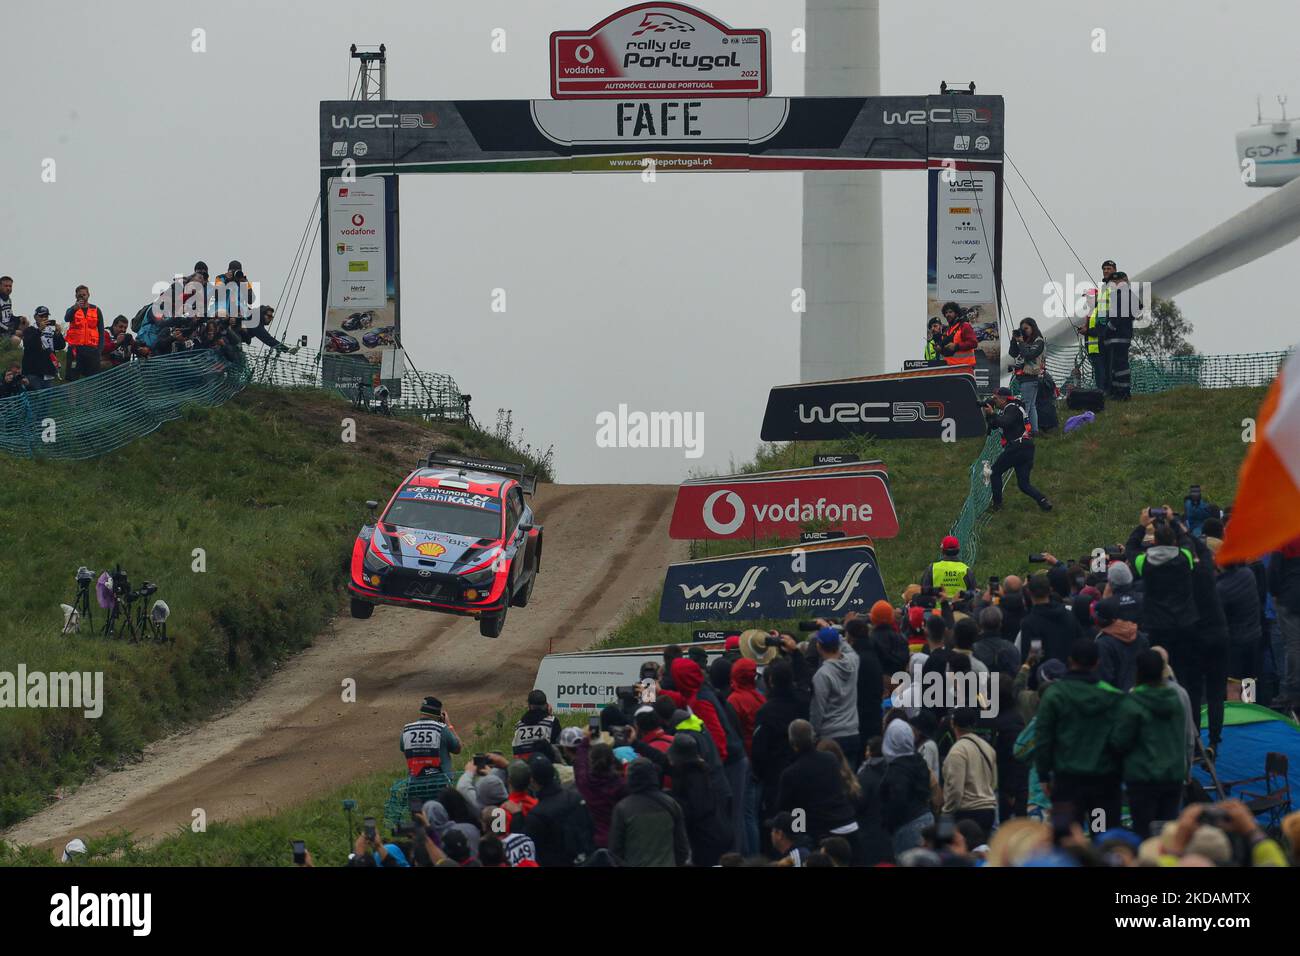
(1077, 748)
(194, 313)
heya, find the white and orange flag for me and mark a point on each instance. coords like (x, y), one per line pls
(1266, 511)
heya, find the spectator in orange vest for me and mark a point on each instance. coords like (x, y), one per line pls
(959, 339)
(85, 325)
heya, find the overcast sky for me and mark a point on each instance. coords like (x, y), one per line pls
(671, 296)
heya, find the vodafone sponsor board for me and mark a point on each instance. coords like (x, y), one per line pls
(358, 276)
(659, 49)
(768, 505)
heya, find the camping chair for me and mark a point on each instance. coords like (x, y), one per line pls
(1275, 800)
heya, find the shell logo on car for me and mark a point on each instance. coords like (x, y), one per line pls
(431, 549)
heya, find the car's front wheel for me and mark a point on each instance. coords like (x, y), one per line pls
(524, 593)
(362, 609)
(492, 625)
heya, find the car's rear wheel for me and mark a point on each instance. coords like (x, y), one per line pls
(362, 609)
(492, 625)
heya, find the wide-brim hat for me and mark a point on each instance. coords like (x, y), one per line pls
(753, 646)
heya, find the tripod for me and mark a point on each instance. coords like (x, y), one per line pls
(81, 605)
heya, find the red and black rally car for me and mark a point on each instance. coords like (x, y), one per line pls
(458, 536)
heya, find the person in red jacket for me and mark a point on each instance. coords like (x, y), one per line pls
(959, 339)
(688, 678)
(745, 699)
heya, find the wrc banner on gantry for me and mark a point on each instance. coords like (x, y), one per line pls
(853, 498)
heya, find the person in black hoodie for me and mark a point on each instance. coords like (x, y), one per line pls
(770, 751)
(871, 677)
(1012, 602)
(1169, 610)
(1048, 621)
(1239, 595)
(1119, 585)
(1284, 585)
(39, 342)
(559, 825)
(1212, 637)
(1118, 645)
(702, 806)
(813, 783)
(872, 833)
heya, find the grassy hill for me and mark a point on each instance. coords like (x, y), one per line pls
(1145, 452)
(268, 490)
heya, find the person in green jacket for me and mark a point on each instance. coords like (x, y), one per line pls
(1075, 763)
(1148, 738)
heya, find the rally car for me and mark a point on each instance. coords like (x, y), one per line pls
(357, 320)
(378, 337)
(457, 536)
(336, 341)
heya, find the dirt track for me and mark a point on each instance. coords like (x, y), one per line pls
(606, 548)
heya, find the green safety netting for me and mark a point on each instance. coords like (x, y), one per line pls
(1069, 367)
(92, 416)
(427, 393)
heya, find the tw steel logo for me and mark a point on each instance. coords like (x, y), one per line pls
(851, 412)
(385, 121)
(940, 114)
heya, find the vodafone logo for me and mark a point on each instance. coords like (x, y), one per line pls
(358, 219)
(584, 53)
(737, 512)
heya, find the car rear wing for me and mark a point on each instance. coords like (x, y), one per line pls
(514, 469)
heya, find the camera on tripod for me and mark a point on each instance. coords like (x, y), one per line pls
(127, 616)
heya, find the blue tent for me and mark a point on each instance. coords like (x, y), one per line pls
(1249, 733)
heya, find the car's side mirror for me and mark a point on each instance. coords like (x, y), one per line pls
(525, 527)
(372, 505)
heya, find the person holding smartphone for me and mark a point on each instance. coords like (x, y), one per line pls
(1028, 348)
(85, 330)
(428, 744)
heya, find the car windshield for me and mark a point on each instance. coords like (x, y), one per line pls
(448, 518)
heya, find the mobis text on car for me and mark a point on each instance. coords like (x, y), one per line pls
(457, 536)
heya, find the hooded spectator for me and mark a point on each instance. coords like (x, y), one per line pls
(834, 710)
(600, 781)
(1048, 621)
(1149, 731)
(703, 806)
(771, 743)
(874, 837)
(891, 646)
(745, 699)
(816, 783)
(1239, 597)
(689, 679)
(559, 824)
(907, 789)
(1284, 586)
(1118, 645)
(872, 679)
(1074, 722)
(647, 827)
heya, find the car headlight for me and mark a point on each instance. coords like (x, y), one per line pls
(372, 564)
(481, 580)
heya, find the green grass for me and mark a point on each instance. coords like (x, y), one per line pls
(265, 841)
(269, 491)
(1145, 452)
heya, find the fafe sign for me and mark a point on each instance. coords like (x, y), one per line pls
(779, 504)
(816, 580)
(659, 50)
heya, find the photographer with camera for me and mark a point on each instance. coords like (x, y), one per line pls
(834, 710)
(1007, 413)
(1166, 567)
(40, 343)
(14, 382)
(1027, 348)
(261, 332)
(119, 345)
(233, 291)
(537, 731)
(933, 339)
(428, 745)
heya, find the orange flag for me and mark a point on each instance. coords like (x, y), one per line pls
(1266, 512)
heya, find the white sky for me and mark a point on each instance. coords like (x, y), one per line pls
(671, 296)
